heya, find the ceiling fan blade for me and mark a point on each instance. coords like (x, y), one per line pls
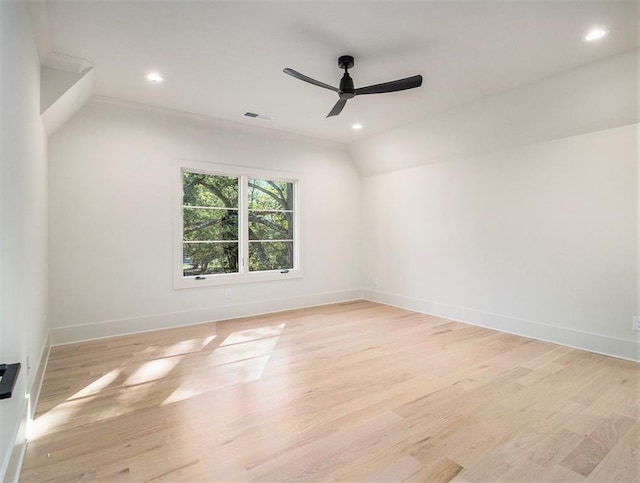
(303, 77)
(392, 86)
(337, 109)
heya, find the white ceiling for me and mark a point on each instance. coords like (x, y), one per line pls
(223, 58)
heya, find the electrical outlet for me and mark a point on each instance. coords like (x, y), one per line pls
(228, 293)
(636, 323)
(376, 281)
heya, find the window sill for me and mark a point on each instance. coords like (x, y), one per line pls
(234, 278)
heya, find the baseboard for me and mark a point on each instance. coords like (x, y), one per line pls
(38, 379)
(112, 328)
(601, 344)
(15, 458)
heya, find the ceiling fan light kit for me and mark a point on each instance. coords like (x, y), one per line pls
(347, 90)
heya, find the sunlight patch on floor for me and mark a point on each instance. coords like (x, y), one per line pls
(219, 377)
(179, 348)
(242, 357)
(97, 386)
(139, 386)
(152, 370)
(253, 334)
(187, 346)
(56, 418)
(242, 351)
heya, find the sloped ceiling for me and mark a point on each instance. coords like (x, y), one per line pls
(223, 58)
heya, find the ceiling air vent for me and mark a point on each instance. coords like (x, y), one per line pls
(257, 116)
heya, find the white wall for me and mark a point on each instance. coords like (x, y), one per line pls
(537, 239)
(111, 204)
(55, 83)
(23, 222)
(592, 97)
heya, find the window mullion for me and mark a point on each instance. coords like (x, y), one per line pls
(244, 225)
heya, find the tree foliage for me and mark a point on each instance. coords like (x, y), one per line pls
(210, 217)
(270, 218)
(210, 224)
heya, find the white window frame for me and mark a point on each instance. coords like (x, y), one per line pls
(243, 275)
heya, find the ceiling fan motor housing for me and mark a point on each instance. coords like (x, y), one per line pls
(347, 90)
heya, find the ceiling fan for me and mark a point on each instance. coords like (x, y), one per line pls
(346, 90)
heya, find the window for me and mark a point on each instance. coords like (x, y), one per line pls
(270, 224)
(236, 227)
(210, 228)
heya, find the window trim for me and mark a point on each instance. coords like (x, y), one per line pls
(244, 275)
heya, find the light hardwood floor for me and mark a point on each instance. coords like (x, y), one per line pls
(346, 392)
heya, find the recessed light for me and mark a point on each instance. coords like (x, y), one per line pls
(357, 126)
(155, 77)
(595, 34)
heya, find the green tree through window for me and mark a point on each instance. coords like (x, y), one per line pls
(213, 217)
(270, 225)
(210, 224)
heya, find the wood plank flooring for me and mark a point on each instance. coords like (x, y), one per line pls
(347, 392)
